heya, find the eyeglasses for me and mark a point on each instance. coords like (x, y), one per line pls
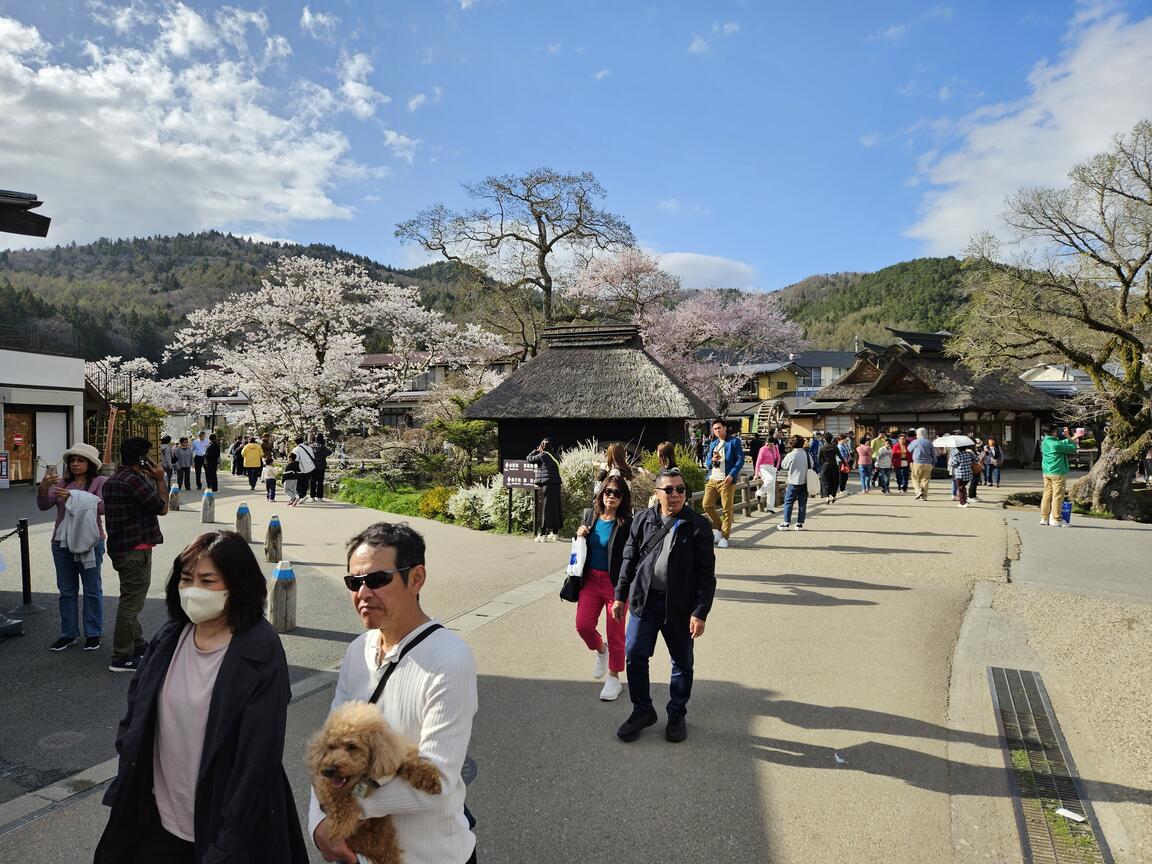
(672, 490)
(374, 580)
(612, 493)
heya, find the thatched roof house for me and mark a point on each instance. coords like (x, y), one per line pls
(589, 382)
(912, 383)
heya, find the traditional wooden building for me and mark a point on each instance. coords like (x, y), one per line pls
(589, 382)
(913, 383)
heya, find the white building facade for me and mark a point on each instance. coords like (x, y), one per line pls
(41, 412)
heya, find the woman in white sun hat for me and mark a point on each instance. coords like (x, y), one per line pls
(77, 542)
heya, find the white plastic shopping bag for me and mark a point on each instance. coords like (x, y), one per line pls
(576, 557)
(768, 490)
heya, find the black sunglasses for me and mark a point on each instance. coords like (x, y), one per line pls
(677, 490)
(374, 580)
(611, 493)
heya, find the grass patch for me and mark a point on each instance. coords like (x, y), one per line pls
(369, 492)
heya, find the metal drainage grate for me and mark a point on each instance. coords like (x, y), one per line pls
(1044, 773)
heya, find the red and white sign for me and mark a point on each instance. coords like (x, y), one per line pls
(17, 439)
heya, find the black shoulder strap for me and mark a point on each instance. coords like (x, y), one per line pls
(655, 541)
(392, 667)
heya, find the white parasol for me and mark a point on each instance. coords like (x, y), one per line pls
(953, 442)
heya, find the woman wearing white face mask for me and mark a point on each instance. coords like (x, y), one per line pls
(201, 747)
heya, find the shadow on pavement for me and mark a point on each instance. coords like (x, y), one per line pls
(555, 784)
(790, 579)
(798, 597)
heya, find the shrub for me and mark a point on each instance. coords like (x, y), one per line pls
(483, 472)
(434, 503)
(685, 461)
(466, 506)
(578, 470)
(374, 493)
(496, 507)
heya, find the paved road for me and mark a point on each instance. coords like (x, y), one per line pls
(830, 719)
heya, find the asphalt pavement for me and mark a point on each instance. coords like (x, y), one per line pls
(840, 711)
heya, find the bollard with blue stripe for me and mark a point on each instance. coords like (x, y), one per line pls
(208, 507)
(273, 540)
(282, 606)
(174, 497)
(244, 522)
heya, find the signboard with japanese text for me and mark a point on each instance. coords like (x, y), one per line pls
(518, 474)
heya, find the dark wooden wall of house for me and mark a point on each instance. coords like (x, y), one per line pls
(517, 438)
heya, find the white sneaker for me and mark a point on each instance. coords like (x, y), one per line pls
(716, 536)
(1055, 523)
(800, 527)
(1044, 522)
(612, 688)
(723, 544)
(600, 664)
(783, 526)
(552, 538)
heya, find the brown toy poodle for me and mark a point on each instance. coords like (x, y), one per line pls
(355, 749)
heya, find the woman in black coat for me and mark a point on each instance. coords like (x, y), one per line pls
(606, 526)
(210, 701)
(548, 481)
(829, 459)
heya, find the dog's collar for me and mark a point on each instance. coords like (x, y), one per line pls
(365, 787)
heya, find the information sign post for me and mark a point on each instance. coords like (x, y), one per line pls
(519, 474)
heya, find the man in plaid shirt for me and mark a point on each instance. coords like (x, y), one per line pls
(133, 499)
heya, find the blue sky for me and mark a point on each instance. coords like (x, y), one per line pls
(748, 143)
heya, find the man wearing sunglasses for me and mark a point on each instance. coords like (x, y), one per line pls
(668, 580)
(429, 697)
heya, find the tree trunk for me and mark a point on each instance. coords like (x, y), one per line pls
(1108, 487)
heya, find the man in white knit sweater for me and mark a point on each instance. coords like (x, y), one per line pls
(430, 698)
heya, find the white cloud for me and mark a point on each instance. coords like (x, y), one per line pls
(703, 44)
(708, 271)
(319, 25)
(183, 31)
(869, 140)
(699, 45)
(553, 48)
(135, 140)
(940, 13)
(467, 4)
(359, 96)
(417, 101)
(944, 93)
(1098, 87)
(401, 145)
(675, 205)
(602, 74)
(890, 34)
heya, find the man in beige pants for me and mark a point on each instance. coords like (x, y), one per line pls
(724, 460)
(923, 459)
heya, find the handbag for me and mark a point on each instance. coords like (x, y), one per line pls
(570, 590)
(574, 578)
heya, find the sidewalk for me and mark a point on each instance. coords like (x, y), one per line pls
(837, 714)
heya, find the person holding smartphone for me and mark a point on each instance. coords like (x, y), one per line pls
(77, 563)
(1054, 453)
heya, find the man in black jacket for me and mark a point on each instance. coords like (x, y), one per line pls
(668, 580)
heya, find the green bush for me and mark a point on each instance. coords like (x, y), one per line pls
(433, 504)
(496, 507)
(483, 472)
(376, 493)
(466, 506)
(685, 461)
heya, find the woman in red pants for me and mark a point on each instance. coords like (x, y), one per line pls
(606, 527)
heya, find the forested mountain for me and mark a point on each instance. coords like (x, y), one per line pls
(127, 297)
(922, 294)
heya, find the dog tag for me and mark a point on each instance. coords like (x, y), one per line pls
(362, 789)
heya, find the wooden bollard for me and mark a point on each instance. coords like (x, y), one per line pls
(282, 608)
(208, 506)
(273, 540)
(174, 498)
(244, 522)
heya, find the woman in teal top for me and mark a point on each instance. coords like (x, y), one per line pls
(605, 528)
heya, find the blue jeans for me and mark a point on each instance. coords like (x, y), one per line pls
(992, 474)
(640, 642)
(902, 478)
(70, 573)
(795, 495)
(884, 473)
(865, 477)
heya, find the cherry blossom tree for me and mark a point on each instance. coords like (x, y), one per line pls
(295, 346)
(708, 339)
(624, 286)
